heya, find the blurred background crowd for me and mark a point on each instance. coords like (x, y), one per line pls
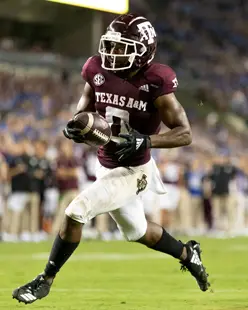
(205, 42)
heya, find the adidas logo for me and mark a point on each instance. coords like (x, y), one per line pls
(139, 141)
(145, 88)
(195, 258)
(28, 297)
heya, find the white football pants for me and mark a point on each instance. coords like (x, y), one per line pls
(117, 191)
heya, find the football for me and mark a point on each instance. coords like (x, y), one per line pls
(95, 128)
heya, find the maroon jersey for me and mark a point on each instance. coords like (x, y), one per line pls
(130, 100)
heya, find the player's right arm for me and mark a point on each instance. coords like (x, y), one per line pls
(87, 101)
(86, 104)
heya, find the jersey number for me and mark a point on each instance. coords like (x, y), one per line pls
(116, 119)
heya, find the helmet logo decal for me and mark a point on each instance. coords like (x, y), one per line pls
(175, 82)
(147, 32)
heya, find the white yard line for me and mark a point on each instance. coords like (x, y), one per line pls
(101, 256)
(106, 256)
(237, 248)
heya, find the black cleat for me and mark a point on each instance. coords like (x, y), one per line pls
(194, 265)
(30, 292)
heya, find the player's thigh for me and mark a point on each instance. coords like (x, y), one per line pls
(112, 189)
(131, 220)
(150, 202)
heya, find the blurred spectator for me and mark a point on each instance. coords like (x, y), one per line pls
(193, 178)
(20, 189)
(67, 178)
(241, 187)
(38, 168)
(51, 197)
(3, 183)
(223, 201)
(168, 203)
(207, 195)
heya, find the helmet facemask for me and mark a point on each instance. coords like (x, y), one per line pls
(119, 53)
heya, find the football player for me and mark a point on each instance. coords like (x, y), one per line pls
(134, 94)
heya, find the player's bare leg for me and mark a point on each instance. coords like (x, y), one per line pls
(154, 234)
(64, 245)
(189, 255)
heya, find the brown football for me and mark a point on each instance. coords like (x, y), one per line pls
(94, 127)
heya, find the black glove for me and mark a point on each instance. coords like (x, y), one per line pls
(73, 133)
(135, 141)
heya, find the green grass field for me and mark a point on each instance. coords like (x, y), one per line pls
(123, 276)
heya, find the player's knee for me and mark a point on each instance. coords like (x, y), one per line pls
(78, 210)
(135, 233)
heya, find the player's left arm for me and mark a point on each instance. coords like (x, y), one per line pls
(174, 117)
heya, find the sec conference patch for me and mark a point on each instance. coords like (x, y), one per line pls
(98, 79)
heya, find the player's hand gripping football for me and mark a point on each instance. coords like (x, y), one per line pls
(72, 133)
(134, 142)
